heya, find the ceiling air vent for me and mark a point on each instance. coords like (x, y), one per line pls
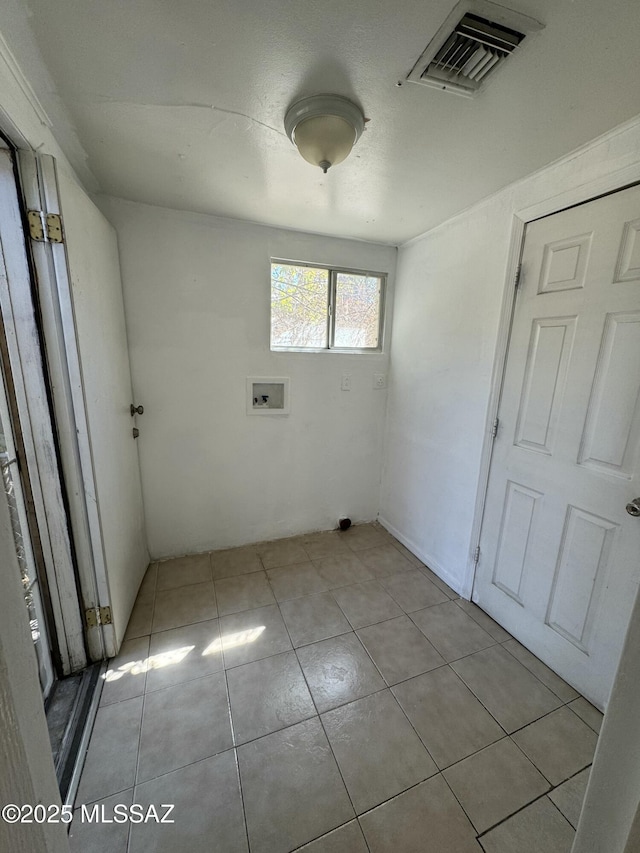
(474, 41)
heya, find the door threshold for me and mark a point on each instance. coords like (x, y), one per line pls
(70, 749)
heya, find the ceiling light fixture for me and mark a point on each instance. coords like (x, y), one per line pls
(324, 128)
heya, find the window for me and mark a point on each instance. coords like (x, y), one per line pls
(323, 308)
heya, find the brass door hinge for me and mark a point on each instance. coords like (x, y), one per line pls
(95, 616)
(45, 229)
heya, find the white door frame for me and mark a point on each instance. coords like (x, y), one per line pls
(603, 185)
(40, 190)
(26, 360)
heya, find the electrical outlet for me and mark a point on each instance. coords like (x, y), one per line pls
(346, 382)
(379, 381)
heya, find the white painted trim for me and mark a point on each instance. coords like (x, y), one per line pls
(28, 774)
(40, 187)
(31, 394)
(499, 364)
(429, 562)
(609, 183)
(93, 576)
(11, 63)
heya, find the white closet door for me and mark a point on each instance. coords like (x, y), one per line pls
(560, 554)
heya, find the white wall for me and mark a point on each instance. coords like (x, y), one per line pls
(449, 290)
(197, 306)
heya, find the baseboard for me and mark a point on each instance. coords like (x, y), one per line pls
(427, 559)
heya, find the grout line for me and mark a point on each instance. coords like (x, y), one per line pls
(386, 687)
(517, 812)
(560, 813)
(235, 755)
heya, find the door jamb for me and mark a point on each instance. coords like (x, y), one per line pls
(40, 188)
(589, 191)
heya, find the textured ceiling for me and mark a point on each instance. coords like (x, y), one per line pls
(181, 103)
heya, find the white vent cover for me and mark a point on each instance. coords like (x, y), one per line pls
(472, 43)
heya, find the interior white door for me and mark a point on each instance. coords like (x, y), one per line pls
(559, 554)
(87, 350)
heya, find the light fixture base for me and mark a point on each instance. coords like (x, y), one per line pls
(323, 105)
(324, 128)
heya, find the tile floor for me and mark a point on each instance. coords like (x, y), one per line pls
(328, 693)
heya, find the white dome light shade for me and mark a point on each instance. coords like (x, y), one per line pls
(324, 140)
(324, 128)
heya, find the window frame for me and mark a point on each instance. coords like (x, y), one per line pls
(333, 272)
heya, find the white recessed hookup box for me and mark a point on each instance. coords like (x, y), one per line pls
(268, 395)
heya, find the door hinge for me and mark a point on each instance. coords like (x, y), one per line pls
(518, 277)
(476, 555)
(494, 428)
(95, 616)
(45, 229)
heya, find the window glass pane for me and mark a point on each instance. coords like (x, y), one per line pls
(357, 311)
(299, 299)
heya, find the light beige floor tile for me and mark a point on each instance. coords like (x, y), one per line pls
(268, 695)
(183, 654)
(361, 536)
(484, 620)
(407, 554)
(90, 834)
(184, 606)
(295, 581)
(126, 673)
(342, 570)
(245, 592)
(452, 632)
(253, 635)
(282, 552)
(384, 560)
(110, 765)
(540, 828)
(586, 711)
(494, 783)
(141, 618)
(325, 544)
(235, 561)
(434, 578)
(313, 618)
(292, 788)
(507, 689)
(559, 744)
(182, 571)
(149, 582)
(425, 819)
(378, 752)
(207, 815)
(338, 671)
(366, 603)
(547, 676)
(346, 839)
(183, 724)
(412, 590)
(446, 715)
(569, 796)
(399, 649)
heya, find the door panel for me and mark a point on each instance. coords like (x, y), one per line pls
(87, 351)
(103, 352)
(559, 555)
